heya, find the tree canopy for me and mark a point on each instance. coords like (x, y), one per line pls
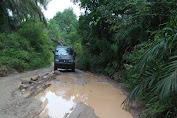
(134, 41)
(13, 12)
(63, 27)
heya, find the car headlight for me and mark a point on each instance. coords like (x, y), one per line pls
(56, 60)
(71, 60)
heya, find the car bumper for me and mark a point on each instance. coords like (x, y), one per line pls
(65, 65)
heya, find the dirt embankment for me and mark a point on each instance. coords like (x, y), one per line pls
(12, 103)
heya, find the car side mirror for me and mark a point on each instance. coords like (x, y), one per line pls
(53, 52)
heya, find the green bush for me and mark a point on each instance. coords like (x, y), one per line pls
(28, 48)
(152, 71)
(82, 61)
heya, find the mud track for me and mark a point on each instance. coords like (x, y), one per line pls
(20, 92)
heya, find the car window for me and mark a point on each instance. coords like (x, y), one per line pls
(64, 51)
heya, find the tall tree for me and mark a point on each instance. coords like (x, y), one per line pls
(145, 32)
(66, 20)
(113, 27)
(63, 27)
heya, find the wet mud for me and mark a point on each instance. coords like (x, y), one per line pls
(44, 93)
(89, 77)
(67, 79)
(60, 99)
(29, 87)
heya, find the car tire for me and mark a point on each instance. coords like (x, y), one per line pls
(55, 67)
(73, 68)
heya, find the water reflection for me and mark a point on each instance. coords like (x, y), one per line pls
(55, 106)
(106, 100)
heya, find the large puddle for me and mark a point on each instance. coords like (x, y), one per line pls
(67, 79)
(105, 99)
(89, 76)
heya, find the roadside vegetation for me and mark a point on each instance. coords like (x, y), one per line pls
(24, 43)
(63, 30)
(133, 41)
(27, 39)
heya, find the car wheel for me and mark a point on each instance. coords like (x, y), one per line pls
(55, 67)
(73, 68)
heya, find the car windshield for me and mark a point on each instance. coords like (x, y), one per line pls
(64, 51)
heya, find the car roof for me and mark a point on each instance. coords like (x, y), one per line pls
(64, 47)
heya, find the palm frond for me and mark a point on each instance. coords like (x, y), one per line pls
(168, 84)
(161, 47)
(145, 85)
(158, 72)
(28, 7)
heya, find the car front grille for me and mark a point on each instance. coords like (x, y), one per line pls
(63, 60)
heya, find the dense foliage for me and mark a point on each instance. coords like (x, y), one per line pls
(14, 12)
(26, 49)
(153, 74)
(62, 30)
(134, 41)
(24, 43)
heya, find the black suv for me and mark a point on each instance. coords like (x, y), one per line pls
(64, 57)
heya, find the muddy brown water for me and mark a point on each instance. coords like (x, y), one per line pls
(59, 99)
(89, 77)
(67, 79)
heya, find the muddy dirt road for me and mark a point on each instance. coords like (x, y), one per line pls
(46, 94)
